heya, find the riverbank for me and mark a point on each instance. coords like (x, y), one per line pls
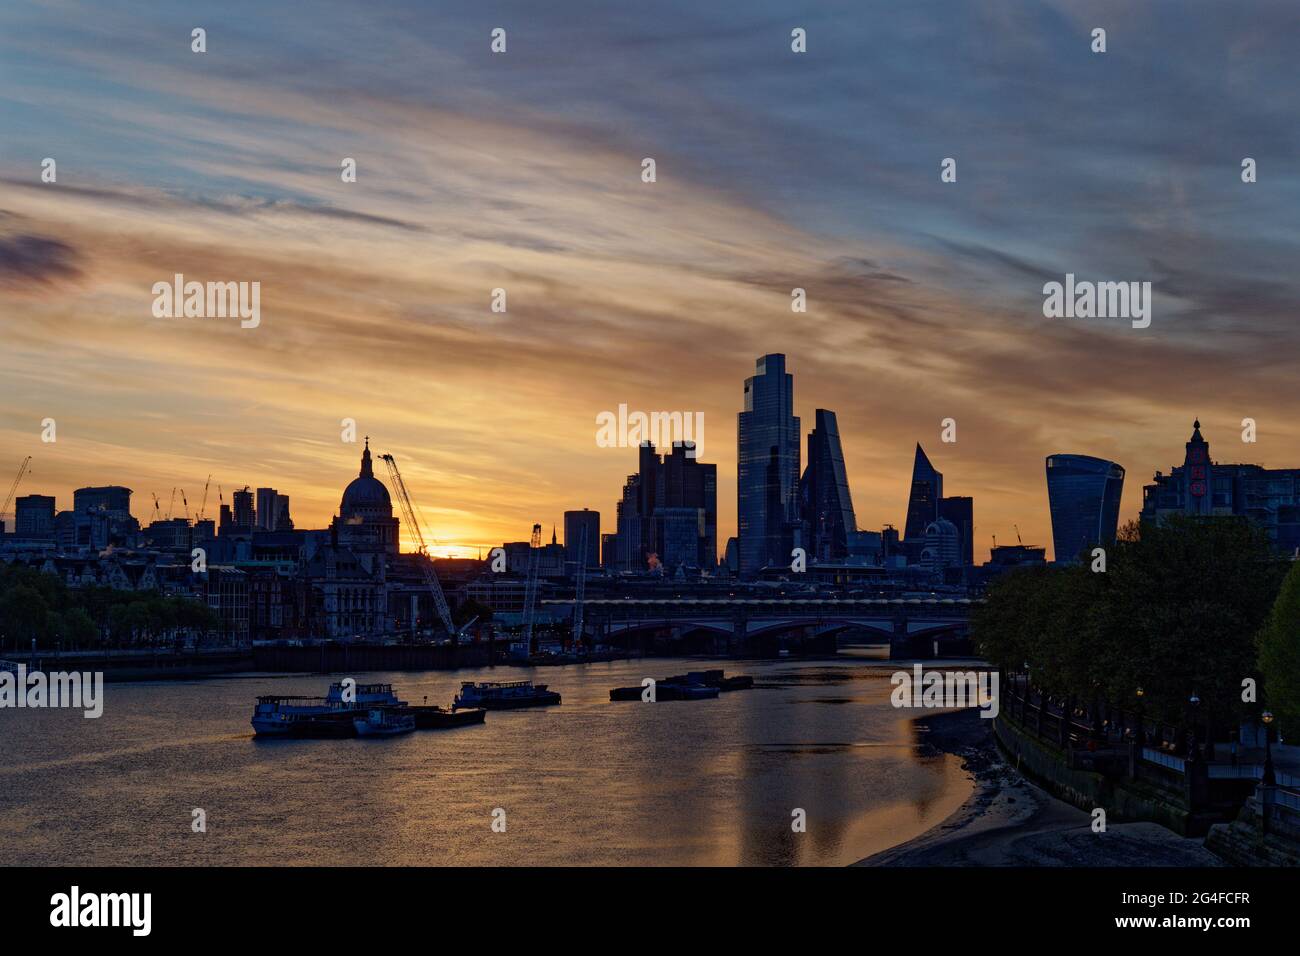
(1008, 821)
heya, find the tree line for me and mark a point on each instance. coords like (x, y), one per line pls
(1191, 606)
(34, 604)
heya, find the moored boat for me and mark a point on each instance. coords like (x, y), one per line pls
(503, 695)
(381, 722)
(429, 717)
(328, 716)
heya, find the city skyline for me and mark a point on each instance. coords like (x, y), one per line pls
(522, 172)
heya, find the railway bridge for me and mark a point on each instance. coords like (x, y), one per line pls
(914, 627)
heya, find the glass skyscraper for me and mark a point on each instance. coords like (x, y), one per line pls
(828, 516)
(923, 499)
(767, 480)
(1083, 494)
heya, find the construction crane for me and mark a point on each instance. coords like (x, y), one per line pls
(530, 592)
(172, 505)
(157, 507)
(203, 505)
(187, 506)
(581, 591)
(430, 576)
(13, 489)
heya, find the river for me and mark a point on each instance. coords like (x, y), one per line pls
(589, 782)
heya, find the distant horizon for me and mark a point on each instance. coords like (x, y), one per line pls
(470, 550)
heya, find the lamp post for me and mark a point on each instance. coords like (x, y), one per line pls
(1142, 727)
(1270, 778)
(1195, 702)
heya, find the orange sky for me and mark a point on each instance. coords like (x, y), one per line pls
(375, 296)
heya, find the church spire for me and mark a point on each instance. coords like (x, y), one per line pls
(367, 471)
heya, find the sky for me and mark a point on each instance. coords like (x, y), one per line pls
(522, 170)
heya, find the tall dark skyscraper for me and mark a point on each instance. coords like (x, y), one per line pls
(923, 499)
(1083, 494)
(827, 506)
(575, 522)
(961, 512)
(767, 479)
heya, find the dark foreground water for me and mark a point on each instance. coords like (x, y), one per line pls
(588, 782)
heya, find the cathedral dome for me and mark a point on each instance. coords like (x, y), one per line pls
(365, 492)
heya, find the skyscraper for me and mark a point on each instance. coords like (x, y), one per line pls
(828, 518)
(1083, 494)
(960, 511)
(266, 508)
(923, 498)
(575, 522)
(767, 479)
(675, 497)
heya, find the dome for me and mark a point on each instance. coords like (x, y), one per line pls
(365, 492)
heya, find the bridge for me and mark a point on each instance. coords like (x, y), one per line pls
(914, 627)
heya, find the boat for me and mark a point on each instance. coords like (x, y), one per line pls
(328, 716)
(503, 695)
(381, 722)
(695, 685)
(429, 717)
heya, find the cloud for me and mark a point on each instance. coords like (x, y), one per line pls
(30, 262)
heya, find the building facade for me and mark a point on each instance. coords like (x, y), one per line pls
(767, 468)
(829, 522)
(1269, 497)
(1083, 495)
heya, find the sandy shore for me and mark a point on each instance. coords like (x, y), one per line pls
(1008, 821)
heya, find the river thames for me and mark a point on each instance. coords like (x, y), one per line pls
(590, 782)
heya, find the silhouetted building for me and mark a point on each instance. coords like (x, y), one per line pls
(923, 498)
(961, 512)
(113, 499)
(244, 514)
(1083, 494)
(34, 515)
(677, 483)
(767, 469)
(942, 548)
(828, 519)
(575, 522)
(365, 523)
(1269, 497)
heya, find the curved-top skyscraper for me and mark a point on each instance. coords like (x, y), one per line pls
(1083, 494)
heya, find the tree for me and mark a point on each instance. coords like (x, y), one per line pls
(1279, 656)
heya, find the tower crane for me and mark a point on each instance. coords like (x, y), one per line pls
(157, 507)
(581, 589)
(203, 505)
(13, 489)
(187, 506)
(530, 592)
(430, 575)
(172, 505)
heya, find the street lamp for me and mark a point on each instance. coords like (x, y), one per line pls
(1142, 726)
(1191, 733)
(1270, 779)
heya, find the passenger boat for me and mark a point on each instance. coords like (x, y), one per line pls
(380, 722)
(328, 716)
(503, 695)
